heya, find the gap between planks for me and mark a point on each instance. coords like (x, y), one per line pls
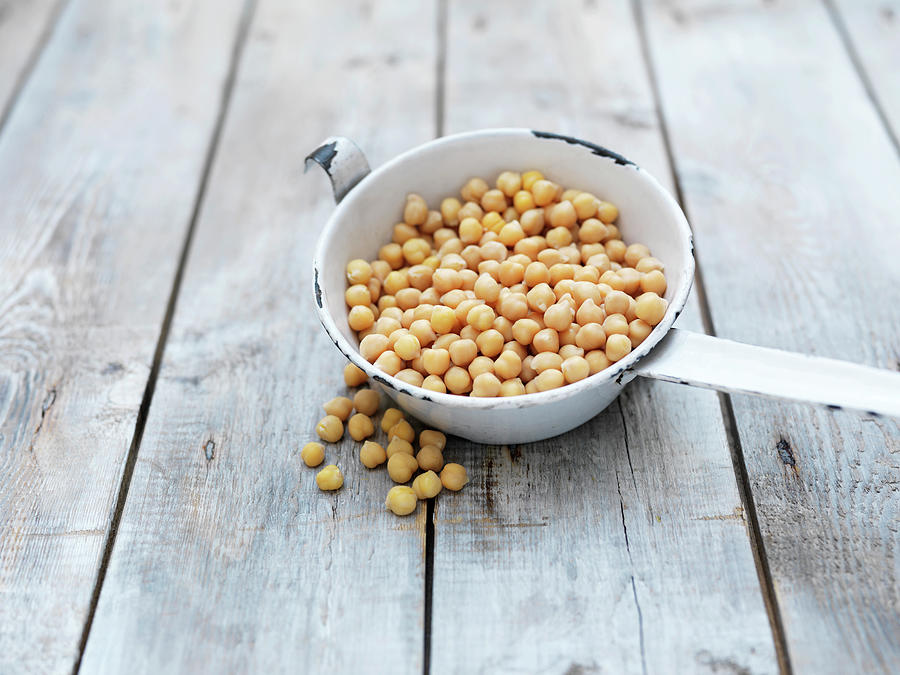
(757, 545)
(853, 55)
(31, 62)
(440, 103)
(147, 398)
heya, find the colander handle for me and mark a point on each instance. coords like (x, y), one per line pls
(699, 360)
(343, 161)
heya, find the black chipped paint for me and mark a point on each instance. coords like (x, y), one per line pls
(786, 453)
(324, 155)
(873, 413)
(317, 288)
(598, 150)
(831, 406)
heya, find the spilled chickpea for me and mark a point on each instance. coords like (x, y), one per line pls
(516, 289)
(424, 466)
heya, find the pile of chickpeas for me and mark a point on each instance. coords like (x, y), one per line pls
(402, 459)
(511, 290)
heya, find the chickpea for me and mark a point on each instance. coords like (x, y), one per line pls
(511, 234)
(523, 201)
(392, 254)
(360, 427)
(453, 476)
(513, 387)
(358, 272)
(340, 407)
(649, 264)
(433, 437)
(493, 250)
(449, 209)
(546, 361)
(457, 380)
(615, 249)
(616, 302)
(651, 308)
(360, 317)
(411, 376)
(401, 467)
(470, 231)
(493, 200)
(549, 379)
(366, 401)
(546, 340)
(427, 485)
(372, 346)
(402, 429)
(503, 326)
(653, 281)
(638, 330)
(528, 373)
(607, 212)
(330, 429)
(597, 360)
(430, 458)
(390, 418)
(371, 455)
(489, 342)
(631, 280)
(443, 320)
(575, 368)
(358, 294)
(559, 316)
(618, 346)
(585, 205)
(615, 324)
(434, 383)
(590, 336)
(470, 209)
(532, 221)
(480, 317)
(407, 347)
(513, 306)
(398, 444)
(474, 189)
(601, 262)
(444, 341)
(559, 237)
(313, 454)
(541, 297)
(486, 385)
(389, 362)
(330, 478)
(634, 253)
(422, 331)
(563, 215)
(354, 376)
(509, 183)
(433, 222)
(401, 500)
(461, 353)
(508, 365)
(544, 192)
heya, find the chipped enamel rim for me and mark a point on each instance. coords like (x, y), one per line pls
(614, 373)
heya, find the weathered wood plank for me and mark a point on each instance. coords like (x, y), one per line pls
(99, 165)
(620, 546)
(791, 185)
(873, 29)
(23, 26)
(229, 558)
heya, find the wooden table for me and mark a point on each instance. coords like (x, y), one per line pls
(160, 362)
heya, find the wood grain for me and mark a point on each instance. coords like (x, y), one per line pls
(229, 559)
(872, 28)
(790, 182)
(24, 24)
(99, 165)
(622, 545)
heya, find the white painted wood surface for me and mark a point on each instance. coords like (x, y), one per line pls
(229, 558)
(873, 29)
(621, 546)
(24, 25)
(100, 160)
(791, 185)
